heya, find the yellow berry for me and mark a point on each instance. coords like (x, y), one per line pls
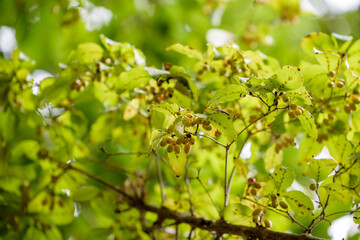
(251, 180)
(347, 108)
(170, 148)
(331, 84)
(326, 122)
(177, 148)
(267, 223)
(163, 142)
(187, 148)
(207, 127)
(192, 140)
(253, 191)
(257, 212)
(257, 185)
(298, 111)
(340, 84)
(291, 115)
(352, 106)
(356, 99)
(292, 106)
(312, 187)
(283, 204)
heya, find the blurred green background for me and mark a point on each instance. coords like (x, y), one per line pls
(46, 30)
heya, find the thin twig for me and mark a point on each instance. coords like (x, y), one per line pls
(226, 196)
(207, 192)
(161, 182)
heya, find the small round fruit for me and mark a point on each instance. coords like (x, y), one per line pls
(331, 85)
(207, 127)
(340, 84)
(179, 141)
(170, 148)
(286, 98)
(251, 180)
(177, 148)
(163, 142)
(169, 140)
(171, 129)
(267, 223)
(292, 106)
(257, 212)
(347, 108)
(352, 106)
(187, 148)
(291, 115)
(326, 121)
(356, 99)
(298, 111)
(192, 140)
(278, 147)
(312, 187)
(331, 116)
(189, 115)
(283, 204)
(257, 185)
(253, 191)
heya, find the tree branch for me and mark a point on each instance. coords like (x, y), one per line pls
(219, 227)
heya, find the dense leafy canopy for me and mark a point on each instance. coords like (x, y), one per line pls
(111, 148)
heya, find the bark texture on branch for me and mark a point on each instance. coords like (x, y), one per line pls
(218, 227)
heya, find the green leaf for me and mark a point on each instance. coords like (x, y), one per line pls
(309, 147)
(300, 94)
(34, 233)
(222, 122)
(317, 170)
(340, 148)
(101, 128)
(241, 167)
(354, 48)
(308, 123)
(87, 53)
(85, 194)
(156, 137)
(186, 50)
(167, 108)
(53, 233)
(238, 214)
(328, 60)
(177, 161)
(319, 41)
(109, 44)
(288, 78)
(228, 93)
(131, 109)
(155, 73)
(179, 126)
(299, 203)
(134, 78)
(185, 80)
(341, 194)
(272, 158)
(283, 178)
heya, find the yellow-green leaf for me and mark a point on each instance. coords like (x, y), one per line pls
(177, 161)
(186, 50)
(241, 167)
(272, 158)
(228, 93)
(300, 203)
(222, 122)
(308, 123)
